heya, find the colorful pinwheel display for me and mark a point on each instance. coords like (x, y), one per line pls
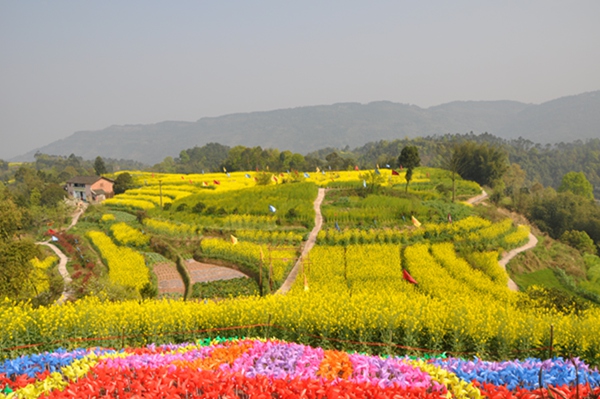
(254, 368)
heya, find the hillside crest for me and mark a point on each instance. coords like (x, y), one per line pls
(310, 128)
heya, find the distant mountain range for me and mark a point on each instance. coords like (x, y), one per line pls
(306, 129)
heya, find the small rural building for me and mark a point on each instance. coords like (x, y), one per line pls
(90, 188)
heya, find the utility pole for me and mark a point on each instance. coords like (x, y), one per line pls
(160, 191)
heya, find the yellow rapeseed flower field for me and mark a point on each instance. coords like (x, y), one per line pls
(125, 266)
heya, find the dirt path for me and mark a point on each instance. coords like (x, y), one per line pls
(312, 238)
(477, 199)
(506, 258)
(81, 207)
(62, 265)
(62, 269)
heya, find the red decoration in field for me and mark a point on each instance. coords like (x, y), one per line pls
(408, 277)
(216, 182)
(394, 173)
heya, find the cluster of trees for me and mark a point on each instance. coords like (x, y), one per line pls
(544, 164)
(60, 168)
(569, 214)
(215, 157)
(16, 251)
(560, 214)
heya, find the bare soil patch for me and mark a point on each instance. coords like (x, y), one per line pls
(203, 272)
(169, 280)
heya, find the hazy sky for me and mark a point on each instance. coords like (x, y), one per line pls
(73, 65)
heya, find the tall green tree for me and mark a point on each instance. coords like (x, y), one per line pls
(99, 166)
(409, 159)
(451, 160)
(578, 184)
(10, 218)
(123, 182)
(483, 163)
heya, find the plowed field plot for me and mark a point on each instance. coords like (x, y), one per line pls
(203, 272)
(169, 280)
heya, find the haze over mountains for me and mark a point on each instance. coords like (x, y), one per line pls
(306, 129)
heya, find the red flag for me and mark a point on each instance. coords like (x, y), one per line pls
(182, 178)
(394, 173)
(216, 182)
(191, 182)
(408, 277)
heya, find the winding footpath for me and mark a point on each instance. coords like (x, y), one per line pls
(477, 199)
(312, 238)
(62, 265)
(506, 258)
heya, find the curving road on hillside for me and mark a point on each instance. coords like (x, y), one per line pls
(312, 238)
